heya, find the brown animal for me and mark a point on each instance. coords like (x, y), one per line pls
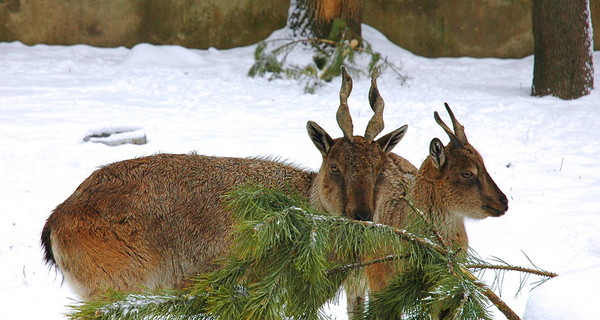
(451, 185)
(153, 222)
(392, 172)
(352, 170)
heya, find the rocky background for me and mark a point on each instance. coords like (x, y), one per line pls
(431, 28)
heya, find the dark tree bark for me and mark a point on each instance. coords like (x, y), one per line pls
(314, 18)
(563, 49)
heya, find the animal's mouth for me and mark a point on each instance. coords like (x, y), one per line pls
(494, 212)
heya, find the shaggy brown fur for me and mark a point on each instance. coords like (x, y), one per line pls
(155, 221)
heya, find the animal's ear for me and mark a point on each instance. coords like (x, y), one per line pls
(390, 140)
(436, 151)
(319, 137)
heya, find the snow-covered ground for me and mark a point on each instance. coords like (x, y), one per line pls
(544, 153)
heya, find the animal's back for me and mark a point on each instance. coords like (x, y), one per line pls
(153, 221)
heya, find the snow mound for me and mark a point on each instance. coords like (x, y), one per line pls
(569, 296)
(148, 55)
(115, 136)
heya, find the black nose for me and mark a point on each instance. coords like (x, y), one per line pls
(504, 201)
(362, 215)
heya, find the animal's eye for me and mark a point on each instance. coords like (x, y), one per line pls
(466, 174)
(334, 168)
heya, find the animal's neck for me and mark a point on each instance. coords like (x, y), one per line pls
(429, 197)
(451, 227)
(315, 193)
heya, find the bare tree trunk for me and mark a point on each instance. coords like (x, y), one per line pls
(314, 18)
(563, 49)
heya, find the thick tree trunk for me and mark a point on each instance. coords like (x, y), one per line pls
(562, 33)
(314, 18)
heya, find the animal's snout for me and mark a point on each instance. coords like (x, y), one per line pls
(504, 201)
(497, 208)
(362, 215)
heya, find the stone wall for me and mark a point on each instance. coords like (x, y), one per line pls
(432, 28)
(477, 28)
(111, 23)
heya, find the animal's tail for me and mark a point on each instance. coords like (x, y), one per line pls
(47, 246)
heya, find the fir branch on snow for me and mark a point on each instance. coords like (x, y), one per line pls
(318, 60)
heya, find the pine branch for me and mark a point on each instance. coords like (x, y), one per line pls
(288, 260)
(501, 305)
(133, 306)
(408, 236)
(513, 268)
(429, 223)
(495, 299)
(292, 42)
(404, 234)
(359, 265)
(327, 58)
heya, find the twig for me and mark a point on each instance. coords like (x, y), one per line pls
(275, 217)
(311, 40)
(493, 297)
(407, 236)
(358, 265)
(296, 41)
(426, 219)
(501, 305)
(513, 268)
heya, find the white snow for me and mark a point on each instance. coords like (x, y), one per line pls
(544, 153)
(552, 301)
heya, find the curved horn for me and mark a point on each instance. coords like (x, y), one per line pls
(376, 124)
(342, 115)
(459, 130)
(449, 132)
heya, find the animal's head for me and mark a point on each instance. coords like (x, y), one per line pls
(461, 176)
(352, 165)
